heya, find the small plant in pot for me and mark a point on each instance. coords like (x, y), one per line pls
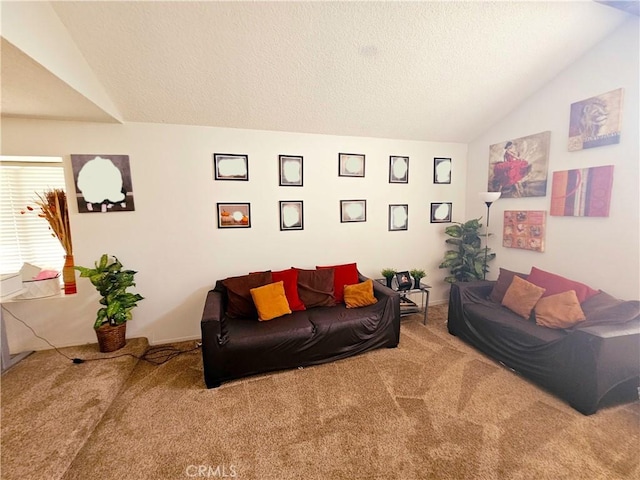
(388, 274)
(112, 281)
(417, 275)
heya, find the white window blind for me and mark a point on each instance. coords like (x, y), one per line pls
(27, 237)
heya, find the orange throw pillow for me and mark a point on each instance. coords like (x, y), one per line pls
(561, 310)
(359, 295)
(270, 300)
(522, 296)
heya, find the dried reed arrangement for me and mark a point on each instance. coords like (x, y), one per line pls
(54, 209)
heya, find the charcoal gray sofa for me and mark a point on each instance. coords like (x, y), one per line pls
(238, 347)
(582, 365)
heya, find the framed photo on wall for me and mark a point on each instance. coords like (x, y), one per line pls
(398, 169)
(290, 168)
(350, 165)
(398, 217)
(353, 211)
(234, 215)
(441, 170)
(103, 183)
(229, 166)
(441, 212)
(291, 216)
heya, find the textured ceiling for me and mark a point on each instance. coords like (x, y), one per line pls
(439, 71)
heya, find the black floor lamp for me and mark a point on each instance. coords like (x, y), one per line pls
(488, 198)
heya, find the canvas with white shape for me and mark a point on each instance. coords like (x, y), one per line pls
(291, 217)
(103, 183)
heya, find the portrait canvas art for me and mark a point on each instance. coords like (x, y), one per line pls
(103, 183)
(518, 167)
(596, 121)
(524, 229)
(584, 192)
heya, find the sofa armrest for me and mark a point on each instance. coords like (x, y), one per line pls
(213, 323)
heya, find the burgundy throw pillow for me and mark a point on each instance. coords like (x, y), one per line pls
(290, 279)
(239, 301)
(345, 274)
(553, 284)
(315, 287)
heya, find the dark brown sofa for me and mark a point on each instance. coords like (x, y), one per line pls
(599, 357)
(239, 347)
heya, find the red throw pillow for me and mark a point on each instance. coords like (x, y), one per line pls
(346, 274)
(290, 279)
(553, 284)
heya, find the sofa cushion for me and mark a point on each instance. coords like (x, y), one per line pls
(345, 274)
(359, 295)
(239, 301)
(315, 287)
(606, 309)
(502, 284)
(522, 296)
(290, 279)
(553, 284)
(561, 310)
(270, 300)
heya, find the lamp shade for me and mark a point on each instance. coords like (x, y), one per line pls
(489, 197)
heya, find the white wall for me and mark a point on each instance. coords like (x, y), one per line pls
(172, 237)
(601, 252)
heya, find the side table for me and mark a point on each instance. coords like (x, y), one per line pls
(409, 305)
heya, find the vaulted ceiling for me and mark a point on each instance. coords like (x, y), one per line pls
(439, 71)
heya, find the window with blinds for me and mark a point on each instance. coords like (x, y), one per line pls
(27, 237)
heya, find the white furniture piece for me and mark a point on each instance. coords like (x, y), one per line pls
(7, 360)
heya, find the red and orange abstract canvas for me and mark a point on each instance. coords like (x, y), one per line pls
(584, 192)
(524, 229)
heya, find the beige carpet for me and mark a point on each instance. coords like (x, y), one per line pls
(432, 408)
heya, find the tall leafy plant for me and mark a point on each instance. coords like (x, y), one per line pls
(112, 280)
(466, 261)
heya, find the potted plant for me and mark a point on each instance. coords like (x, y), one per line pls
(388, 273)
(417, 276)
(112, 281)
(468, 261)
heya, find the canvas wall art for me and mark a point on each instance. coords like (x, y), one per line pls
(103, 183)
(350, 165)
(291, 215)
(353, 211)
(518, 167)
(398, 217)
(584, 192)
(596, 121)
(524, 229)
(230, 166)
(290, 168)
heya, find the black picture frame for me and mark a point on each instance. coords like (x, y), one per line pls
(351, 165)
(403, 279)
(398, 169)
(231, 166)
(398, 217)
(234, 215)
(290, 170)
(442, 170)
(291, 215)
(353, 211)
(441, 212)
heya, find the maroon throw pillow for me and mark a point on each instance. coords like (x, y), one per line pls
(315, 287)
(345, 274)
(553, 284)
(502, 284)
(239, 301)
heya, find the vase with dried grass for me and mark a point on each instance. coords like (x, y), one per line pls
(52, 206)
